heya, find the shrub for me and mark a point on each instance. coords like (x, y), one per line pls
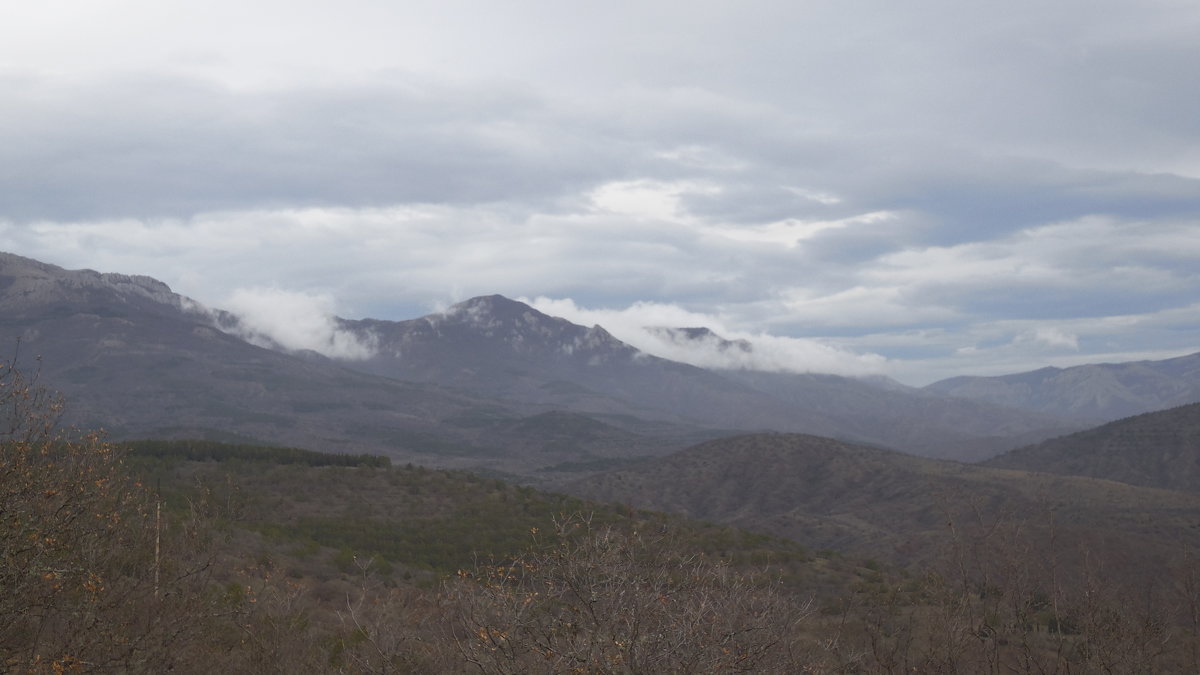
(605, 600)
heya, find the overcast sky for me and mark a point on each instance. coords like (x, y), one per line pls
(920, 189)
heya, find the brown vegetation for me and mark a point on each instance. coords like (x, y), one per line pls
(226, 573)
(608, 601)
(87, 579)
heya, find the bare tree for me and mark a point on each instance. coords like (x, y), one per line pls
(607, 601)
(77, 563)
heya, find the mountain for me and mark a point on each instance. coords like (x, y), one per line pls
(887, 413)
(1097, 392)
(870, 501)
(1158, 449)
(697, 337)
(497, 347)
(140, 361)
(502, 348)
(462, 388)
(874, 409)
(137, 359)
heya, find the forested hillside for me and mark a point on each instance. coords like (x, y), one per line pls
(1159, 449)
(194, 557)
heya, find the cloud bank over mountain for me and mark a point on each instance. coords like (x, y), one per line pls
(642, 325)
(271, 317)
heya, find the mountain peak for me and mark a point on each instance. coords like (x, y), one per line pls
(493, 312)
(494, 304)
(700, 335)
(27, 284)
(522, 326)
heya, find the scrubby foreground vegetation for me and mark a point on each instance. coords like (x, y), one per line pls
(193, 557)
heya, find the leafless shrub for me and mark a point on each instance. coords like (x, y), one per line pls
(81, 586)
(607, 601)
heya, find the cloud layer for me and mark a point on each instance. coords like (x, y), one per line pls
(273, 318)
(921, 189)
(640, 325)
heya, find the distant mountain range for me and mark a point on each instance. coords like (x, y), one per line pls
(497, 347)
(490, 384)
(1097, 392)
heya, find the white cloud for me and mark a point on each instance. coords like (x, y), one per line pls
(792, 232)
(703, 157)
(647, 199)
(294, 321)
(1050, 337)
(635, 325)
(815, 195)
(861, 306)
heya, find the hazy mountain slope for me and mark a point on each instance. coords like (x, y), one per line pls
(140, 361)
(499, 347)
(1099, 392)
(874, 409)
(503, 348)
(1158, 449)
(823, 492)
(906, 418)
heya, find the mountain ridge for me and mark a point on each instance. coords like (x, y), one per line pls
(1158, 449)
(501, 347)
(132, 354)
(153, 364)
(1098, 392)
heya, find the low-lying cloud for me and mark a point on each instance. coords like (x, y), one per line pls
(641, 325)
(294, 321)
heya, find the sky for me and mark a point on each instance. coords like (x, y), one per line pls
(920, 189)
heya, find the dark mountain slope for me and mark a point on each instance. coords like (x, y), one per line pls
(871, 501)
(1159, 449)
(1099, 392)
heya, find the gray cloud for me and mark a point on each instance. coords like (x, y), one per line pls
(921, 185)
(150, 147)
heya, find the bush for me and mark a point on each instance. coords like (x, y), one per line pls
(611, 601)
(87, 579)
